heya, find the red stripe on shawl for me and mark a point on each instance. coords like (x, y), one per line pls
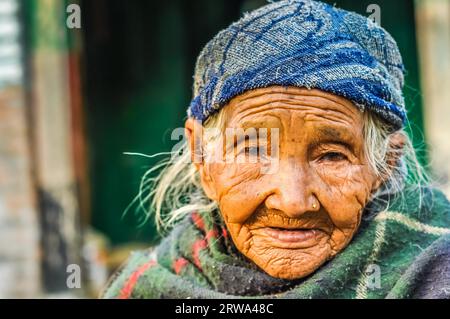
(224, 232)
(211, 234)
(198, 221)
(179, 264)
(127, 289)
(198, 245)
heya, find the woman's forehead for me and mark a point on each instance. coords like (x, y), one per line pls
(278, 106)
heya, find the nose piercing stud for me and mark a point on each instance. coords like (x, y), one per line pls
(314, 206)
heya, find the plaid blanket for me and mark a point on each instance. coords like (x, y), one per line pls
(401, 250)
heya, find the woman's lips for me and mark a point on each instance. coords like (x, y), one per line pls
(293, 238)
(291, 235)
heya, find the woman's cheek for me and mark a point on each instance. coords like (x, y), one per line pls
(237, 189)
(343, 191)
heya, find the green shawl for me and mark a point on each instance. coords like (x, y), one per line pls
(401, 250)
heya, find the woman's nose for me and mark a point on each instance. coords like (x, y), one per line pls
(292, 194)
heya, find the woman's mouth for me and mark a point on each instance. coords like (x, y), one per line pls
(290, 235)
(293, 238)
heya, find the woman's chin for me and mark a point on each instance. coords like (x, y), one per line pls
(290, 264)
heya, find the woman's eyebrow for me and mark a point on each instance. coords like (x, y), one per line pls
(332, 135)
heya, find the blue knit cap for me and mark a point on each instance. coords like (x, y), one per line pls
(305, 44)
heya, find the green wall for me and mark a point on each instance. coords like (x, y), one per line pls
(139, 59)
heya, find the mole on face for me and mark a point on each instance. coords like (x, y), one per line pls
(289, 223)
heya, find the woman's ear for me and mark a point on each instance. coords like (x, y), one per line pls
(194, 136)
(194, 132)
(397, 142)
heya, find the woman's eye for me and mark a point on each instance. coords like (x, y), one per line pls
(333, 157)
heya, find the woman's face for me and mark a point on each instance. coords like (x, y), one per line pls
(292, 221)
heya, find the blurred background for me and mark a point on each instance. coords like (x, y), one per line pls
(76, 94)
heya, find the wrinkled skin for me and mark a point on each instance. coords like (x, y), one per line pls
(290, 223)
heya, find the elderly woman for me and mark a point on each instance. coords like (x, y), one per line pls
(320, 197)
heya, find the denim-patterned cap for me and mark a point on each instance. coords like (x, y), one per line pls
(307, 44)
